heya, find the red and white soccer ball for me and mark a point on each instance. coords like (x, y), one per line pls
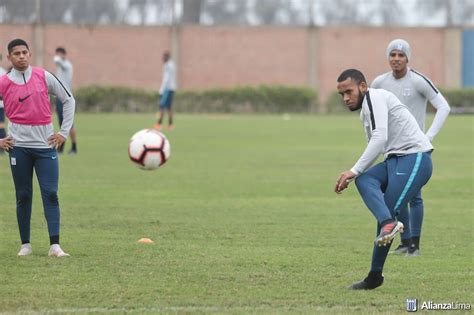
(149, 149)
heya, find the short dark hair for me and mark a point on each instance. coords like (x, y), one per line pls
(16, 42)
(355, 74)
(61, 50)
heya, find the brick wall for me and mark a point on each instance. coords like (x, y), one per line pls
(365, 49)
(9, 32)
(227, 56)
(110, 56)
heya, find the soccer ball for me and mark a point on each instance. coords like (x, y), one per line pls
(149, 149)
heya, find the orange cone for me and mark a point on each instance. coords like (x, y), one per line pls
(145, 240)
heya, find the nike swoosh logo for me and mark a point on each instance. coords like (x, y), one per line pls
(54, 157)
(24, 98)
(401, 173)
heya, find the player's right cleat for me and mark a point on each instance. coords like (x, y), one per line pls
(388, 232)
(401, 249)
(157, 126)
(56, 251)
(25, 250)
(369, 283)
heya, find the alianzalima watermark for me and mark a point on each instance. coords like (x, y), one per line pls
(413, 306)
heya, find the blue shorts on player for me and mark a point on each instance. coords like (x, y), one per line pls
(166, 99)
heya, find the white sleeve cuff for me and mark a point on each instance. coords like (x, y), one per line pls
(353, 170)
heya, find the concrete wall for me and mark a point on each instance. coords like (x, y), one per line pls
(227, 56)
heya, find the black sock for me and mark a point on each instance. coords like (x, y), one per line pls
(2, 135)
(415, 241)
(54, 239)
(74, 147)
(25, 242)
(406, 242)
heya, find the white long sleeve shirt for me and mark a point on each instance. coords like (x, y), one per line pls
(30, 136)
(64, 71)
(2, 72)
(415, 90)
(390, 129)
(168, 79)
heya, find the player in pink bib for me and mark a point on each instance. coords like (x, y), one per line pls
(31, 140)
(28, 103)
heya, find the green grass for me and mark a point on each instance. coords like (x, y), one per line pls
(244, 220)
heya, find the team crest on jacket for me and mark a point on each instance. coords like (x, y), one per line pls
(406, 92)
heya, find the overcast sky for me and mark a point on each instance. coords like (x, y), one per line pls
(245, 12)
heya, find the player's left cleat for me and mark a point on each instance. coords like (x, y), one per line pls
(170, 127)
(413, 251)
(369, 283)
(388, 232)
(157, 126)
(25, 250)
(56, 251)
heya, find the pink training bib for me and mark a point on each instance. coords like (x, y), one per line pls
(27, 104)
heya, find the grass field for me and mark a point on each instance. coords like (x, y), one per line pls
(244, 220)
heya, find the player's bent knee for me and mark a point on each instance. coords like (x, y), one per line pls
(50, 196)
(416, 202)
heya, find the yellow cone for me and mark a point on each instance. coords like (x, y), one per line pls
(145, 240)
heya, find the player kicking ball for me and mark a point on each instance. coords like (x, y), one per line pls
(387, 186)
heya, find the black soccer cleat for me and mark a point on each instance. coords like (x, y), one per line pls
(401, 249)
(369, 283)
(413, 251)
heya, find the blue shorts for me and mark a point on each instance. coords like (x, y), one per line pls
(2, 114)
(166, 100)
